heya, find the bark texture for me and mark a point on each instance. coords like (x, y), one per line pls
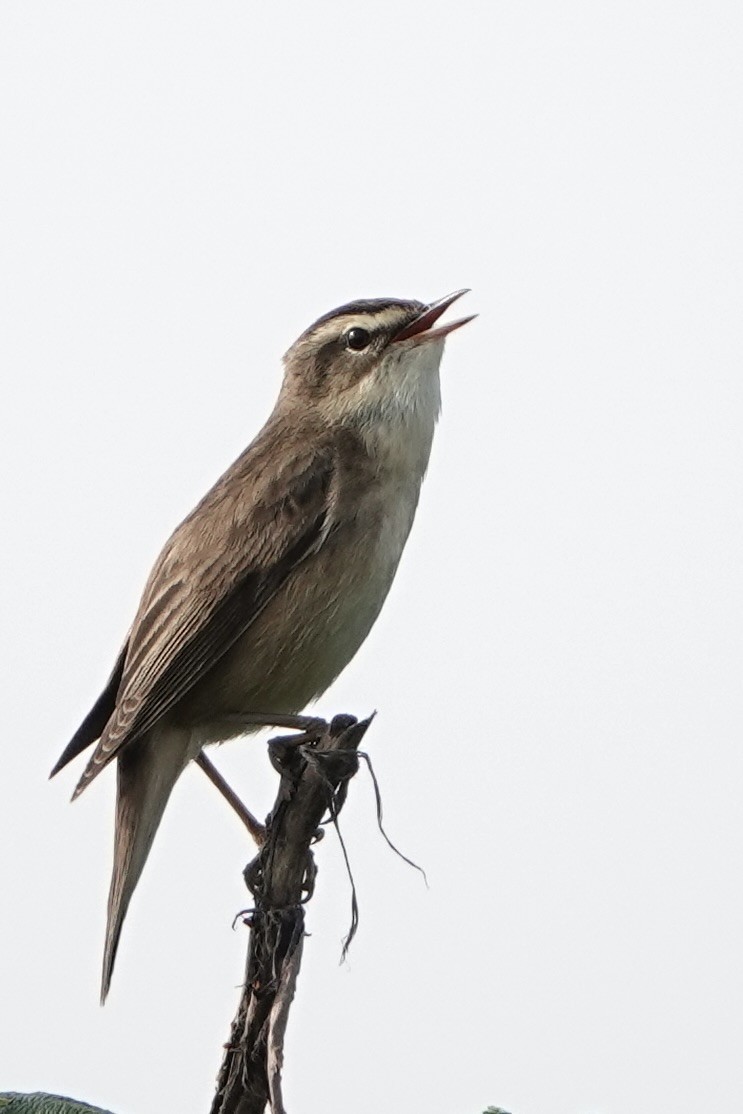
(314, 780)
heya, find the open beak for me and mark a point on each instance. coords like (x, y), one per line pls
(421, 328)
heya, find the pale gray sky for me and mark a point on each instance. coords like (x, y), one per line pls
(558, 669)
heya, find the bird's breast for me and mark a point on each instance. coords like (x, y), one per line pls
(317, 620)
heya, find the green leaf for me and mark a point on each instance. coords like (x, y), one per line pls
(38, 1103)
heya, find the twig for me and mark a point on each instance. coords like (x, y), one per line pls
(281, 879)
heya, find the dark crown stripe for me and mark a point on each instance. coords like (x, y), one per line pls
(364, 306)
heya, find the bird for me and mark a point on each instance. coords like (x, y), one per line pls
(267, 589)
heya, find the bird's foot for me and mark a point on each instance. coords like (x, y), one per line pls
(285, 750)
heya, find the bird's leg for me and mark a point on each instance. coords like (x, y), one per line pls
(310, 729)
(254, 826)
(310, 725)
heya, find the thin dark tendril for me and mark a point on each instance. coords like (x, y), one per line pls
(333, 811)
(354, 902)
(378, 797)
(241, 915)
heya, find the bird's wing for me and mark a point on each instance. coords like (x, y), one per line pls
(216, 574)
(92, 726)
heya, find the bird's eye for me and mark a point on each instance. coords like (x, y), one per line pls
(357, 338)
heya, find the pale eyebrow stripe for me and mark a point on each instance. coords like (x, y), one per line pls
(377, 322)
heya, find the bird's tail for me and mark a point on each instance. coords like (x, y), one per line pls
(147, 772)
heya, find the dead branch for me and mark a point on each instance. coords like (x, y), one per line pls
(314, 781)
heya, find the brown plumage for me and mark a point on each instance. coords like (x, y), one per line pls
(267, 589)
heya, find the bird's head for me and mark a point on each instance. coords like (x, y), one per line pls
(370, 361)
